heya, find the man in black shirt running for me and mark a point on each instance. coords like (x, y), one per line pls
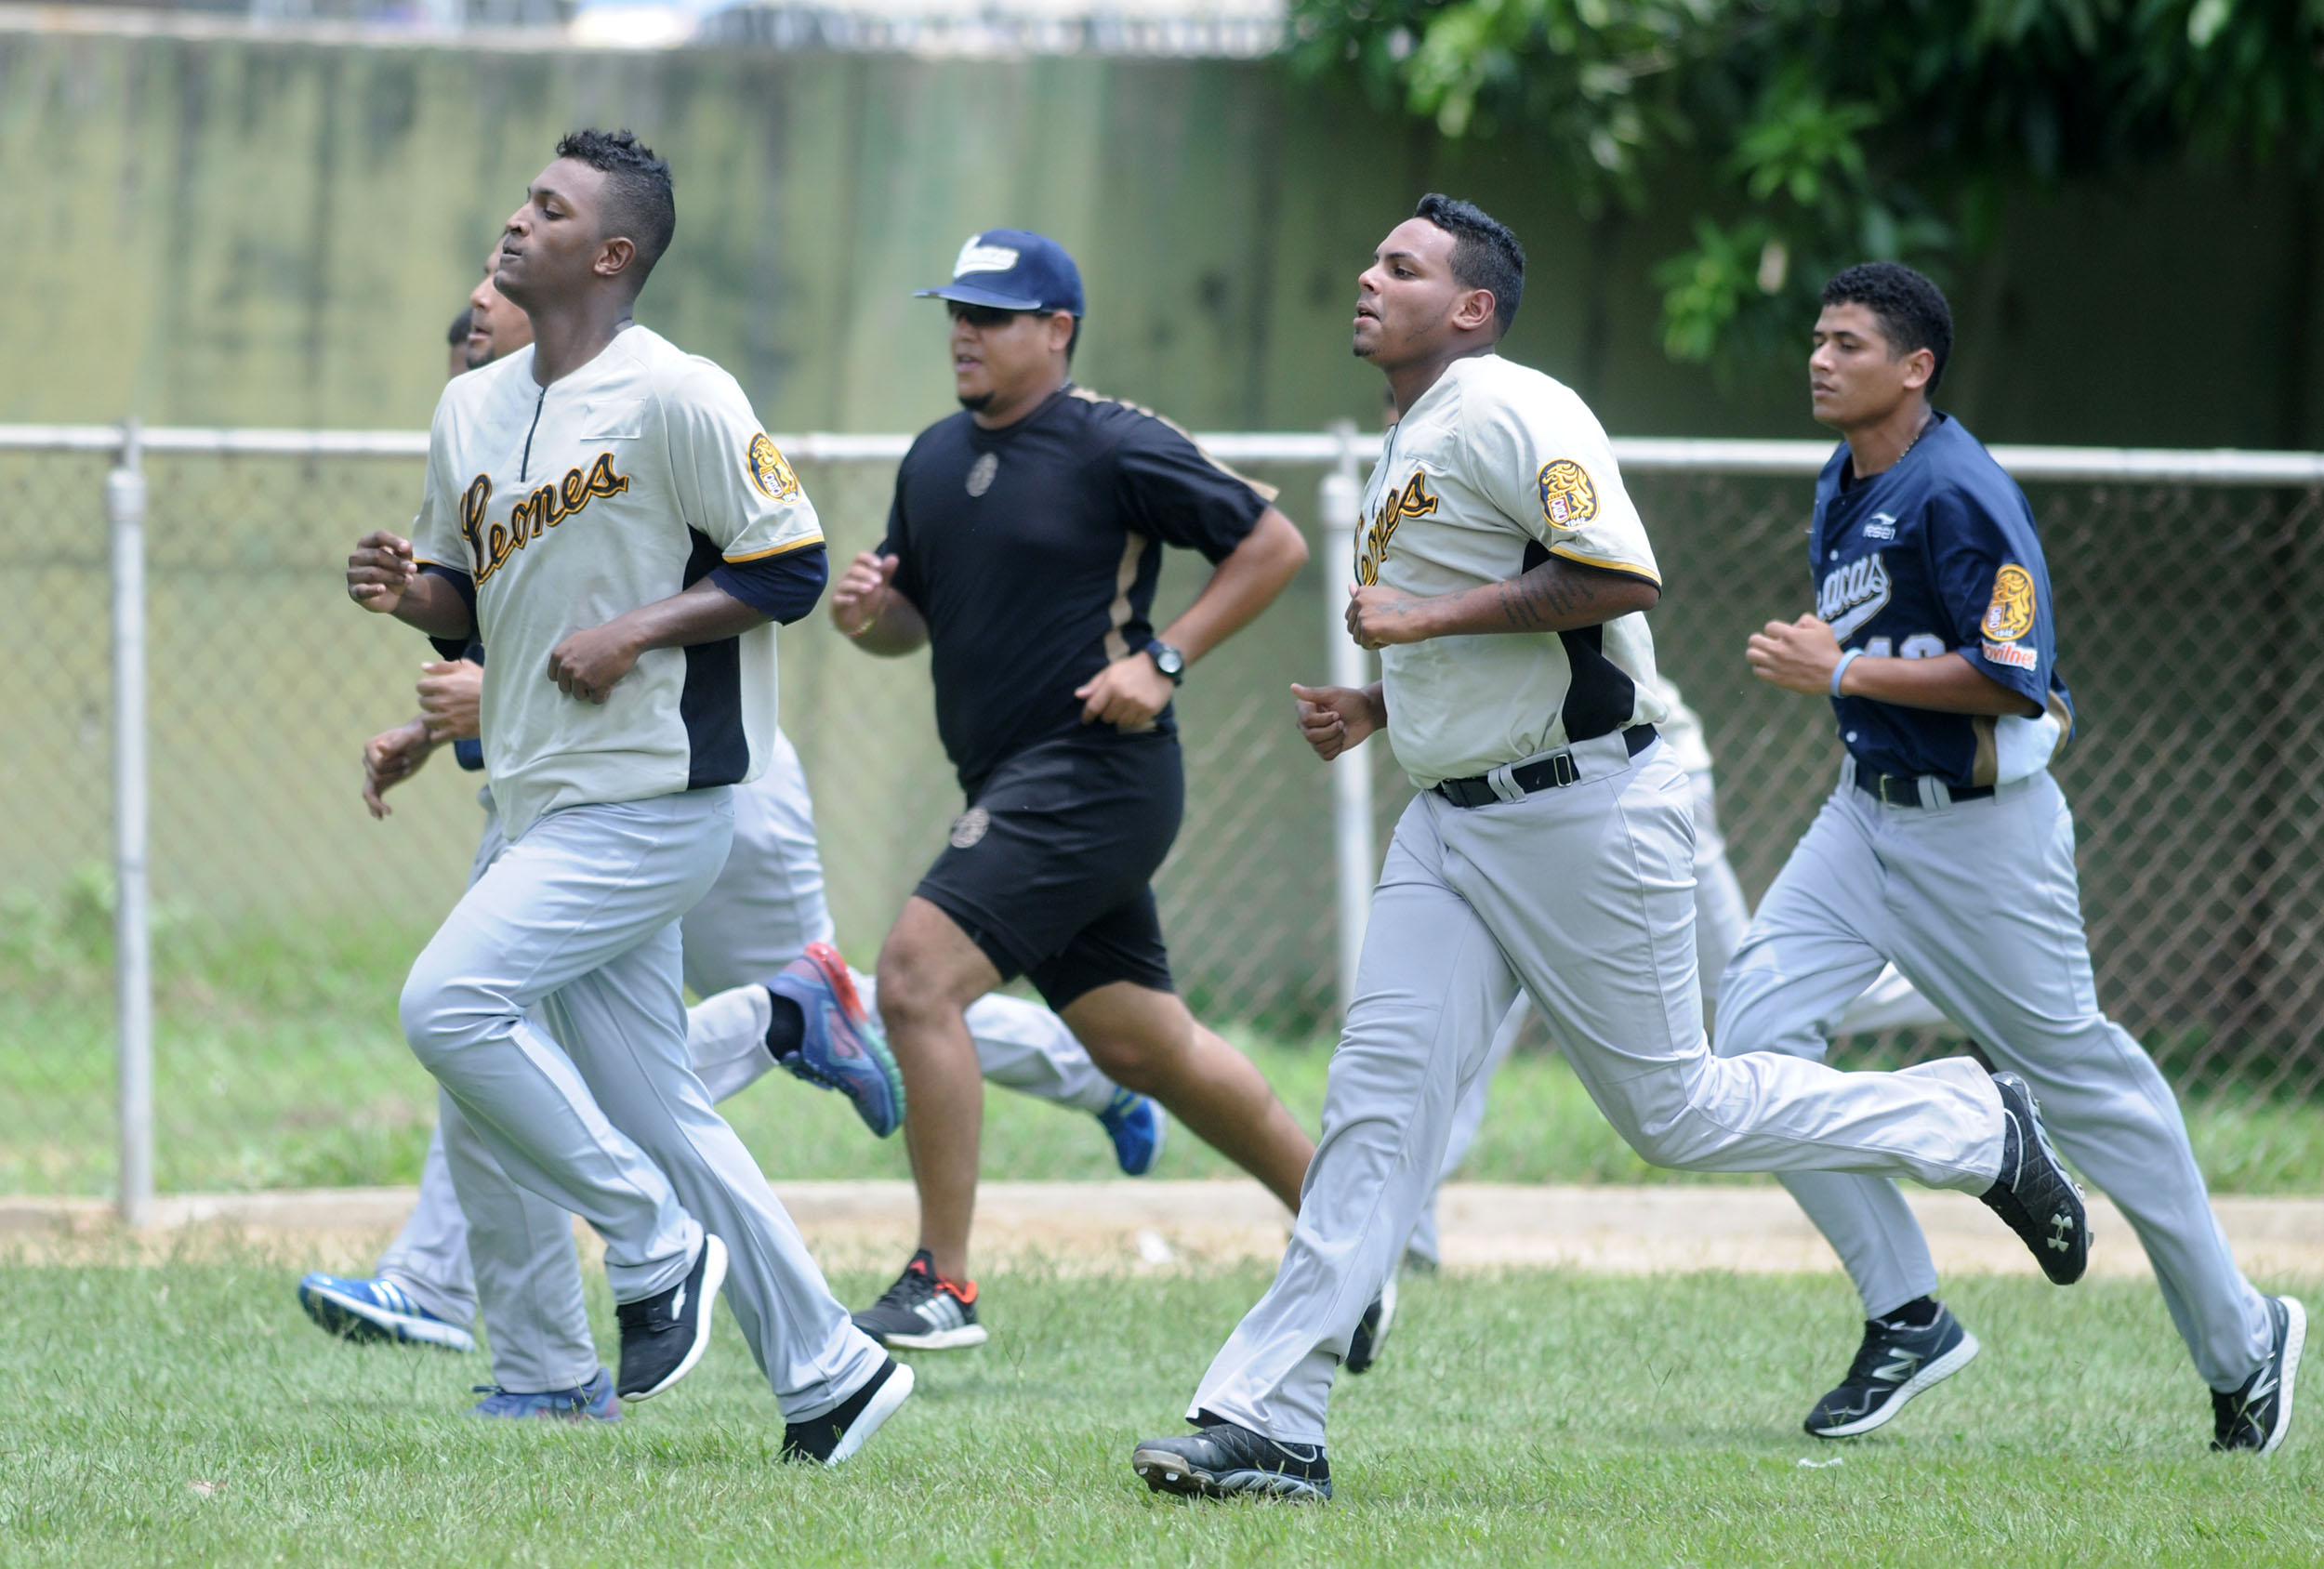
(1024, 546)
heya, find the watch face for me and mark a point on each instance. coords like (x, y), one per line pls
(1171, 660)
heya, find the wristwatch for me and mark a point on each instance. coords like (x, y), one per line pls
(1167, 660)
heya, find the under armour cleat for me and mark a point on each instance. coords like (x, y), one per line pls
(1135, 1124)
(923, 1312)
(839, 1432)
(663, 1336)
(1224, 1459)
(376, 1309)
(593, 1402)
(1896, 1362)
(1371, 1330)
(842, 1047)
(2042, 1204)
(2257, 1416)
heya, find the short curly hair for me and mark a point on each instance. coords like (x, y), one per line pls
(1484, 255)
(640, 204)
(1911, 310)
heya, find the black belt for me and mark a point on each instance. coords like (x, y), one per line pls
(1904, 789)
(1552, 773)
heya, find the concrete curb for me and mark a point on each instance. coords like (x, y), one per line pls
(1112, 1225)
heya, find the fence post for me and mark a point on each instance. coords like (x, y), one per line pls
(1354, 865)
(133, 951)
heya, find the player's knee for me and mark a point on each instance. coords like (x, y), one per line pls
(442, 1014)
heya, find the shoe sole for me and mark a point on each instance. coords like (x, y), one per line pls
(713, 1277)
(1918, 1384)
(2295, 1342)
(1153, 1151)
(336, 1314)
(1166, 1473)
(960, 1340)
(834, 970)
(2038, 1131)
(883, 1406)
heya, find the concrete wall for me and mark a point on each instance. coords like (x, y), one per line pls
(236, 231)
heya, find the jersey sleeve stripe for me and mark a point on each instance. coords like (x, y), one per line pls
(783, 549)
(1646, 573)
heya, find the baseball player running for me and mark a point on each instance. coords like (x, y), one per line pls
(1720, 918)
(1023, 548)
(632, 684)
(1505, 575)
(1947, 850)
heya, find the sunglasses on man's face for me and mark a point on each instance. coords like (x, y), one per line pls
(981, 316)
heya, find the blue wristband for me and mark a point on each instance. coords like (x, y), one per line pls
(1841, 669)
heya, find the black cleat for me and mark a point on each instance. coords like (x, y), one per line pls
(2042, 1204)
(841, 1431)
(663, 1337)
(1896, 1362)
(923, 1312)
(1371, 1330)
(1224, 1459)
(2257, 1416)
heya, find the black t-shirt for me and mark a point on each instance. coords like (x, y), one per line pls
(1032, 552)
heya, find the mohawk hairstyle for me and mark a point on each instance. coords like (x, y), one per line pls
(1911, 310)
(641, 205)
(1486, 254)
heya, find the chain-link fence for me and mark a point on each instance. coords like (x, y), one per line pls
(282, 917)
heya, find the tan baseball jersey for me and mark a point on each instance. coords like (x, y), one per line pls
(1494, 470)
(567, 506)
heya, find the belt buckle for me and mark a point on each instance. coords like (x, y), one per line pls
(1910, 787)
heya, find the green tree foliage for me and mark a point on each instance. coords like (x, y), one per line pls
(1809, 134)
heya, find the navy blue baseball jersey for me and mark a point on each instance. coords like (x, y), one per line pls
(1938, 555)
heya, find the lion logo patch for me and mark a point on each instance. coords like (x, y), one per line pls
(1568, 499)
(981, 472)
(769, 470)
(2010, 616)
(968, 828)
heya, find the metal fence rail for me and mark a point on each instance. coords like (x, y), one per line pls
(189, 720)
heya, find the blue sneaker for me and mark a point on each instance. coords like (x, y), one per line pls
(843, 1048)
(593, 1402)
(1135, 1124)
(376, 1309)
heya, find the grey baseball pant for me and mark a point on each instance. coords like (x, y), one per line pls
(1584, 897)
(580, 918)
(1721, 918)
(1977, 903)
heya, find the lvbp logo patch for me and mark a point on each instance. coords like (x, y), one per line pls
(1854, 594)
(968, 828)
(981, 472)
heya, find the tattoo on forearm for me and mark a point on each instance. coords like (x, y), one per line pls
(1542, 596)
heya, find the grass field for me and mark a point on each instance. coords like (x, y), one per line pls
(294, 1075)
(187, 1414)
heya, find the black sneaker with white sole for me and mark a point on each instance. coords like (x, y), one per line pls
(1371, 1330)
(663, 1336)
(1896, 1362)
(1222, 1461)
(841, 1431)
(2042, 1204)
(923, 1312)
(2257, 1416)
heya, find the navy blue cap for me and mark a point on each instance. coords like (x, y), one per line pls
(1012, 270)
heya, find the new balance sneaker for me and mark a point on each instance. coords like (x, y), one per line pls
(2257, 1416)
(1896, 1362)
(1224, 1459)
(593, 1402)
(842, 1047)
(663, 1336)
(2042, 1204)
(923, 1312)
(1371, 1330)
(376, 1309)
(839, 1432)
(1135, 1124)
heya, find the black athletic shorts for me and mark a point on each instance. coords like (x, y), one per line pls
(1049, 866)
